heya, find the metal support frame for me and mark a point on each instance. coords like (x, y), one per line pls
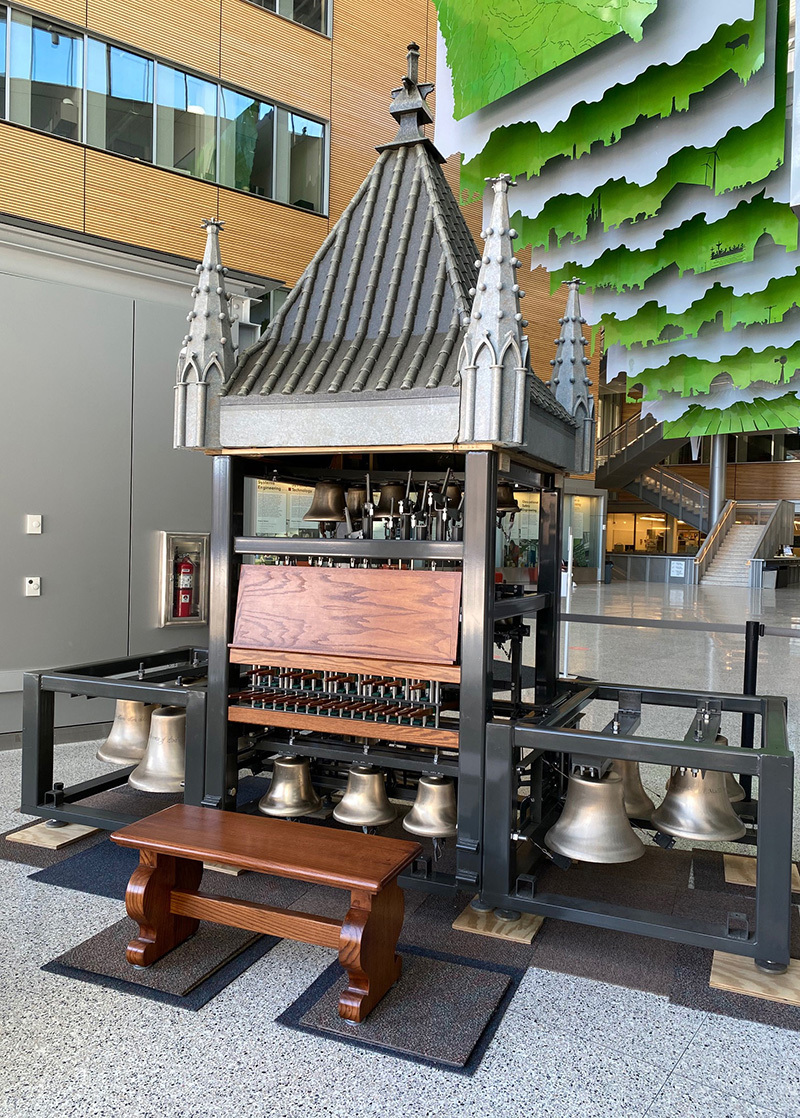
(148, 679)
(509, 885)
(547, 621)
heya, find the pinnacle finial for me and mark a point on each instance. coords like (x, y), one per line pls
(409, 107)
(212, 222)
(412, 76)
(501, 183)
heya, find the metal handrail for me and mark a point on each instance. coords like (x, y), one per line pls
(676, 489)
(778, 531)
(713, 540)
(623, 436)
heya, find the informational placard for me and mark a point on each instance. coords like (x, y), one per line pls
(280, 509)
(677, 568)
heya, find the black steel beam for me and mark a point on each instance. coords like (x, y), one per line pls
(347, 549)
(518, 607)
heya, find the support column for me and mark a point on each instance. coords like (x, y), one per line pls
(716, 487)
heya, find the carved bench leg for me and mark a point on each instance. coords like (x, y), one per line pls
(148, 903)
(367, 949)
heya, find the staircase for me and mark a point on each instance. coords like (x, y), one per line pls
(630, 449)
(673, 494)
(729, 566)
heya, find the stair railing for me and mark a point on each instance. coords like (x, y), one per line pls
(678, 490)
(778, 530)
(623, 436)
(713, 541)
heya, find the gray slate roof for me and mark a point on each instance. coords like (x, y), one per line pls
(380, 307)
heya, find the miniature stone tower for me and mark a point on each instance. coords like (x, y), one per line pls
(569, 384)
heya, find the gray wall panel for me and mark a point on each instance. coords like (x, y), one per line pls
(171, 488)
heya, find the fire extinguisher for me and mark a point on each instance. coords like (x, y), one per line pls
(184, 586)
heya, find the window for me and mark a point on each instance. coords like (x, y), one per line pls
(247, 136)
(186, 125)
(2, 62)
(300, 155)
(311, 13)
(46, 78)
(119, 101)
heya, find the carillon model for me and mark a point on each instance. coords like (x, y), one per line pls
(396, 383)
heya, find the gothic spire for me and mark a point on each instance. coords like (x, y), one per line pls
(570, 384)
(206, 357)
(494, 357)
(409, 105)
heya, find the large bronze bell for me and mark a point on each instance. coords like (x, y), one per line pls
(127, 740)
(291, 792)
(434, 813)
(697, 807)
(365, 803)
(638, 804)
(327, 503)
(391, 495)
(162, 767)
(732, 786)
(506, 501)
(453, 495)
(593, 826)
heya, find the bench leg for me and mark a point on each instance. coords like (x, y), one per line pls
(367, 949)
(148, 903)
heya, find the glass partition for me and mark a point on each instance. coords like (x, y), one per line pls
(119, 101)
(186, 124)
(46, 79)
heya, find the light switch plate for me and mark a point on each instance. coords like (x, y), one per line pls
(33, 586)
(33, 524)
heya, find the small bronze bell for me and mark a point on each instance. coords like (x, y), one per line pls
(127, 740)
(697, 807)
(453, 495)
(593, 826)
(327, 503)
(355, 500)
(365, 803)
(291, 793)
(434, 813)
(638, 804)
(161, 769)
(391, 492)
(506, 501)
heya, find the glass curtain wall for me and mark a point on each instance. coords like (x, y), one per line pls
(246, 143)
(3, 40)
(186, 124)
(310, 13)
(119, 101)
(300, 157)
(46, 79)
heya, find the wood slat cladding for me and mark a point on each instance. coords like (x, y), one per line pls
(41, 177)
(275, 57)
(369, 52)
(73, 11)
(404, 615)
(187, 34)
(266, 238)
(751, 481)
(140, 205)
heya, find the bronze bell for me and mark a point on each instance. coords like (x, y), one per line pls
(638, 804)
(453, 495)
(393, 491)
(697, 807)
(365, 803)
(355, 500)
(162, 767)
(506, 501)
(291, 792)
(593, 826)
(327, 503)
(434, 813)
(127, 740)
(732, 786)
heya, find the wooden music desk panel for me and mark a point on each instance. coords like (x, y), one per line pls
(339, 611)
(163, 894)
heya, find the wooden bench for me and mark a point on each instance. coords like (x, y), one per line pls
(163, 894)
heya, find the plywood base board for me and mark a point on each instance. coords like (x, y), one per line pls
(217, 867)
(741, 870)
(739, 975)
(487, 924)
(51, 838)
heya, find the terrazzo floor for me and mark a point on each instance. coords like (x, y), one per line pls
(566, 1047)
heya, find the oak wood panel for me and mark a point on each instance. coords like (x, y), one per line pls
(179, 32)
(266, 238)
(275, 57)
(254, 917)
(407, 615)
(346, 859)
(751, 481)
(444, 673)
(41, 177)
(141, 205)
(345, 727)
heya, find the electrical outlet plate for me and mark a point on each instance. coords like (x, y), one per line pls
(33, 586)
(33, 524)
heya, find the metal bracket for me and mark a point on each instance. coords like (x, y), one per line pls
(212, 801)
(55, 797)
(738, 926)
